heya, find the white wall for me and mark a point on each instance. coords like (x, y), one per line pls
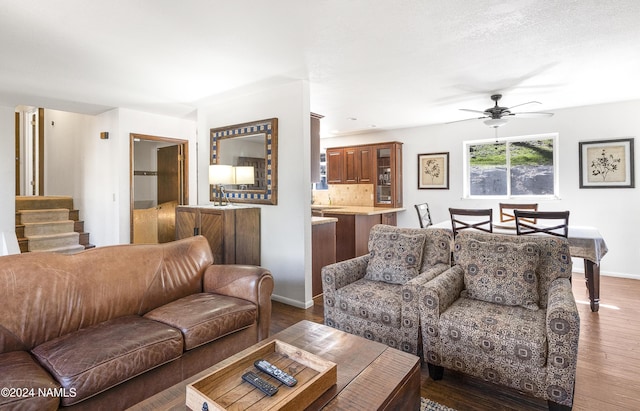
(285, 227)
(130, 121)
(95, 172)
(612, 211)
(7, 170)
(63, 131)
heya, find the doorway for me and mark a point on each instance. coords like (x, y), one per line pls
(29, 151)
(158, 184)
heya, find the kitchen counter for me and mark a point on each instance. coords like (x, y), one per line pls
(353, 225)
(323, 249)
(354, 210)
(323, 220)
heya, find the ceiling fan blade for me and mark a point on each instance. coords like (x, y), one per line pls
(466, 119)
(522, 104)
(536, 114)
(472, 111)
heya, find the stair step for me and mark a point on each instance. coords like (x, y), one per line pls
(40, 202)
(66, 234)
(41, 216)
(49, 227)
(23, 243)
(53, 241)
(84, 238)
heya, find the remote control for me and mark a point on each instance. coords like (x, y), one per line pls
(275, 372)
(253, 379)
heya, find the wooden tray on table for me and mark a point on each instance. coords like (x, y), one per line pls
(224, 389)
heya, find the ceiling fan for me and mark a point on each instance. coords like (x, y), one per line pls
(497, 116)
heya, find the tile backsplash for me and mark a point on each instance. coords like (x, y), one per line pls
(345, 194)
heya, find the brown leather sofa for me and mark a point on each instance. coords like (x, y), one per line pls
(109, 327)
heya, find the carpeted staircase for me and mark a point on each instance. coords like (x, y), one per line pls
(49, 223)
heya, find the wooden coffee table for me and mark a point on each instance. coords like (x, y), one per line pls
(371, 376)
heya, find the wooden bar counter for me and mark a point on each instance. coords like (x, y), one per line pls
(354, 224)
(323, 249)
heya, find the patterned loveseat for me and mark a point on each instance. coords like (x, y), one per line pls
(375, 295)
(505, 313)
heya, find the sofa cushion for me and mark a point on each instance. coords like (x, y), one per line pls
(494, 330)
(36, 390)
(205, 317)
(437, 244)
(375, 301)
(500, 272)
(394, 257)
(94, 359)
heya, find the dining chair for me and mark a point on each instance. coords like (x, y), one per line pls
(506, 211)
(546, 222)
(424, 216)
(476, 218)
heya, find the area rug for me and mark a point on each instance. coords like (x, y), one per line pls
(428, 405)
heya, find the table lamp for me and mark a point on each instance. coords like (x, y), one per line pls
(244, 175)
(220, 174)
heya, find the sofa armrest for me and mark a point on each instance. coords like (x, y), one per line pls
(342, 273)
(563, 333)
(411, 292)
(248, 282)
(429, 274)
(438, 294)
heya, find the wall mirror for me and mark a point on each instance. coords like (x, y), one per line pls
(255, 145)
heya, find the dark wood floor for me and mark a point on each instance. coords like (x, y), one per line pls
(608, 376)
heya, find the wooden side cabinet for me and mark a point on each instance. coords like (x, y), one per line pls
(233, 232)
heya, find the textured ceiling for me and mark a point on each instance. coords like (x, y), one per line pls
(386, 63)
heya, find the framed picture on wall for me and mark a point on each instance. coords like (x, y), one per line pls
(606, 163)
(433, 171)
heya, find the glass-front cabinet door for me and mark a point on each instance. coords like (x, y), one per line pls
(384, 193)
(388, 166)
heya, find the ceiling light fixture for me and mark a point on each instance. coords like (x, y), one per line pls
(496, 122)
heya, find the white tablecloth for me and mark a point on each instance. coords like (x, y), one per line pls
(584, 242)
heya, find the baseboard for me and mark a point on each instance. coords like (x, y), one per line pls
(289, 301)
(620, 275)
(579, 268)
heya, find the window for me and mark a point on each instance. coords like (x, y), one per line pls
(512, 167)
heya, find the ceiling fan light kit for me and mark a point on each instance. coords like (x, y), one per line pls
(496, 122)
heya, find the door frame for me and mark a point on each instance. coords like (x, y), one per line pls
(182, 171)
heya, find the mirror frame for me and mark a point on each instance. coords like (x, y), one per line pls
(268, 127)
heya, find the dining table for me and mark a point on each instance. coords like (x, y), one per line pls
(585, 242)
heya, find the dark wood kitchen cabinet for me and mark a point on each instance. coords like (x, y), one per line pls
(378, 164)
(388, 181)
(350, 165)
(233, 232)
(335, 165)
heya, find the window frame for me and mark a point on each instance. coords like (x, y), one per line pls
(507, 140)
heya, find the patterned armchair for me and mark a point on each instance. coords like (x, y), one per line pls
(505, 313)
(375, 295)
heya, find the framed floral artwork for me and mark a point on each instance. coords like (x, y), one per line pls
(433, 171)
(606, 163)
